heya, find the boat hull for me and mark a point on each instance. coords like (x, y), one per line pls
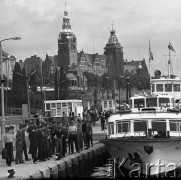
(148, 157)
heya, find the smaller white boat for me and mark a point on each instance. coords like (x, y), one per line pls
(160, 102)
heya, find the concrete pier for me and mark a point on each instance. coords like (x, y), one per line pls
(73, 166)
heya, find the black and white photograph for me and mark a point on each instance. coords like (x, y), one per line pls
(90, 89)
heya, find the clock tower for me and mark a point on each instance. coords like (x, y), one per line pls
(114, 55)
(67, 44)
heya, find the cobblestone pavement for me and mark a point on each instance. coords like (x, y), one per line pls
(29, 167)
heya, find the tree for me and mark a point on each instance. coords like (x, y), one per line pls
(18, 86)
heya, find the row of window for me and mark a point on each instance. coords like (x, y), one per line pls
(166, 87)
(142, 126)
(106, 103)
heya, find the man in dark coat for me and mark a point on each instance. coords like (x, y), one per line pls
(88, 133)
(46, 131)
(41, 144)
(34, 144)
(53, 129)
(64, 139)
(84, 132)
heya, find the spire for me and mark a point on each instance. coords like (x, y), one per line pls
(66, 26)
(113, 39)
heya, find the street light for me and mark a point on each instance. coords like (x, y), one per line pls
(2, 86)
(128, 92)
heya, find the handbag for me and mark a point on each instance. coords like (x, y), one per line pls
(4, 153)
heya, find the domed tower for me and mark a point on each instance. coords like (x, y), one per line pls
(114, 54)
(67, 44)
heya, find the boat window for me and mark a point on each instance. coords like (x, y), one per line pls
(153, 88)
(47, 106)
(122, 126)
(164, 102)
(139, 103)
(159, 87)
(168, 87)
(150, 102)
(130, 103)
(176, 87)
(140, 126)
(159, 125)
(53, 105)
(111, 128)
(174, 125)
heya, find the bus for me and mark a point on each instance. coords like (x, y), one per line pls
(56, 107)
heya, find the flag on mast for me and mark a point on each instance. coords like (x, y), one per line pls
(150, 52)
(171, 47)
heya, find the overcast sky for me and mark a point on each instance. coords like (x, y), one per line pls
(39, 23)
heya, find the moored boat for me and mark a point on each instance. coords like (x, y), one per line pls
(146, 142)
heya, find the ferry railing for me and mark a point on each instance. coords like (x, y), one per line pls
(174, 129)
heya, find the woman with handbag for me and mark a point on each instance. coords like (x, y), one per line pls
(7, 143)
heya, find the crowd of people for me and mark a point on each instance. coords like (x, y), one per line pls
(47, 138)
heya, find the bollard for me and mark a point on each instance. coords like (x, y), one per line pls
(69, 168)
(61, 169)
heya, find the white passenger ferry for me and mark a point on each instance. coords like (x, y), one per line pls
(143, 140)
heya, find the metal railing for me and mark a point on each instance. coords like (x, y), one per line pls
(123, 129)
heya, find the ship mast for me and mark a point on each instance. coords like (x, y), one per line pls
(170, 47)
(169, 63)
(150, 58)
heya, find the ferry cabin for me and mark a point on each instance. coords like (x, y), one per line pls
(57, 107)
(145, 125)
(160, 102)
(165, 86)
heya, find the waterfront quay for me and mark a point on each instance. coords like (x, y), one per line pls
(73, 165)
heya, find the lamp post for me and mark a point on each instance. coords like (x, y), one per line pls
(128, 94)
(2, 86)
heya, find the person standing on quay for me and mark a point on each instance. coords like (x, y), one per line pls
(79, 134)
(41, 144)
(72, 136)
(23, 127)
(84, 133)
(19, 147)
(59, 148)
(34, 144)
(88, 133)
(64, 139)
(53, 130)
(102, 117)
(47, 137)
(7, 143)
